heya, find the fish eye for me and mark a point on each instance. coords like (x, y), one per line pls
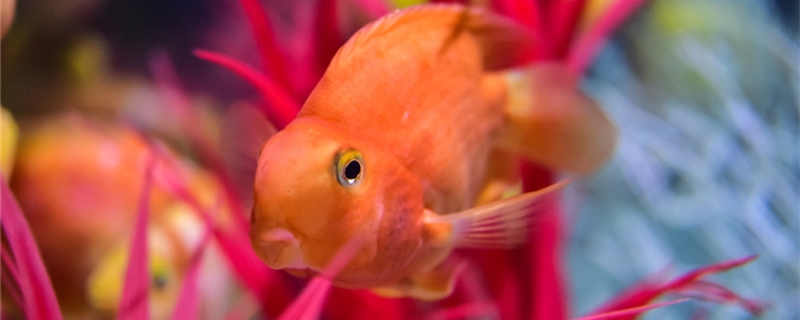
(349, 167)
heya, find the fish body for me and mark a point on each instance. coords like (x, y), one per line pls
(399, 132)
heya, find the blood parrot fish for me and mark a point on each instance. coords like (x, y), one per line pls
(403, 143)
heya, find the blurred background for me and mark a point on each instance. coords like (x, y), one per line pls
(705, 94)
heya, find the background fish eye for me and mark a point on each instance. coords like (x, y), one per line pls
(160, 280)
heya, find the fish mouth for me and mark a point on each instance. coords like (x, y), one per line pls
(279, 249)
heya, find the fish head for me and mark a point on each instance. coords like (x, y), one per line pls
(317, 188)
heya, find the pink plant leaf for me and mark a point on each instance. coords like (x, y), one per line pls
(714, 292)
(695, 275)
(549, 293)
(327, 36)
(466, 311)
(273, 59)
(546, 279)
(34, 283)
(308, 305)
(188, 305)
(587, 46)
(526, 12)
(280, 107)
(642, 293)
(169, 86)
(566, 17)
(135, 302)
(9, 276)
(373, 9)
(341, 302)
(631, 311)
(171, 90)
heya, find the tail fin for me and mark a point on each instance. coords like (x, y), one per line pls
(551, 122)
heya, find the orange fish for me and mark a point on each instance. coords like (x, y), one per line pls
(398, 141)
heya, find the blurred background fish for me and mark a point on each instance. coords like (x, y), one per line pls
(79, 182)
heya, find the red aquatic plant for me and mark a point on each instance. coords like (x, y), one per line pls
(690, 285)
(133, 304)
(30, 286)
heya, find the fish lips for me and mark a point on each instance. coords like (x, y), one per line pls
(279, 249)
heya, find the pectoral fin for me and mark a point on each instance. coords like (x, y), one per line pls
(500, 224)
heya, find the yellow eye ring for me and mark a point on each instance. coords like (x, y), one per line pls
(349, 167)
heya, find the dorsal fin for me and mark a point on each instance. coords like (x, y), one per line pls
(503, 43)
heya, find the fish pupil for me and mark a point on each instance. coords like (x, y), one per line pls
(352, 170)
